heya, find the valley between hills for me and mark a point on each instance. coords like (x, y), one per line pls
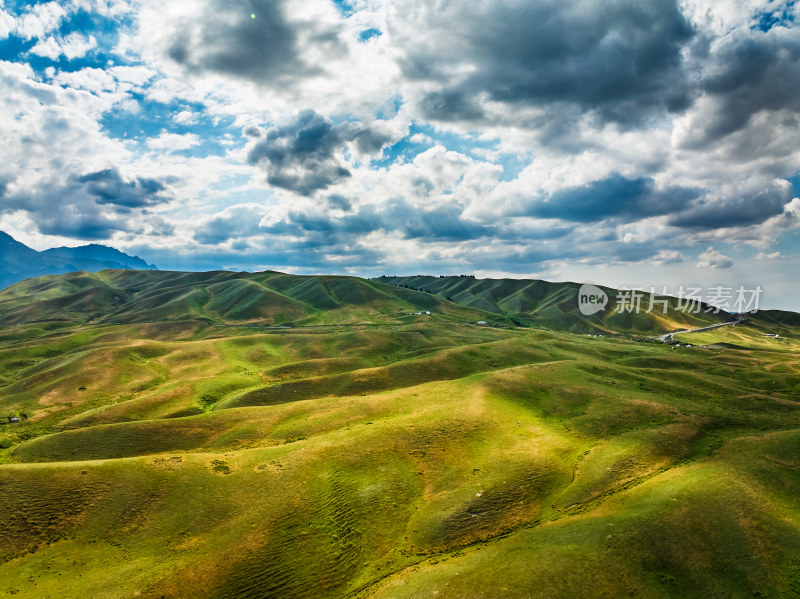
(232, 435)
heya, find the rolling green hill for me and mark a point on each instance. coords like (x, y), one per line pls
(273, 298)
(236, 435)
(269, 298)
(555, 305)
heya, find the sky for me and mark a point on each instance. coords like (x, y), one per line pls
(621, 142)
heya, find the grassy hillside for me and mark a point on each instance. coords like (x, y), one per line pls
(269, 298)
(176, 442)
(555, 305)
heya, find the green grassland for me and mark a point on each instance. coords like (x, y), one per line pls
(555, 305)
(233, 435)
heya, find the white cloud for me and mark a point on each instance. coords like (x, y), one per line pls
(711, 258)
(420, 138)
(7, 24)
(136, 75)
(173, 142)
(98, 81)
(319, 49)
(72, 46)
(106, 8)
(40, 20)
(722, 16)
(185, 117)
(770, 256)
(667, 257)
(54, 147)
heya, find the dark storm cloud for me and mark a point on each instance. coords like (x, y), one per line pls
(92, 225)
(224, 38)
(615, 196)
(451, 105)
(368, 140)
(301, 156)
(752, 72)
(743, 209)
(339, 201)
(69, 212)
(252, 132)
(625, 62)
(94, 206)
(87, 226)
(109, 187)
(617, 59)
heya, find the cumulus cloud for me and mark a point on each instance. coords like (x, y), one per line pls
(748, 73)
(110, 187)
(667, 257)
(93, 206)
(305, 155)
(61, 180)
(619, 93)
(185, 117)
(93, 226)
(105, 8)
(72, 46)
(618, 60)
(7, 24)
(40, 19)
(301, 156)
(711, 258)
(744, 206)
(213, 37)
(273, 44)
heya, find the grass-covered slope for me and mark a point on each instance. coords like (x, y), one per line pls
(555, 305)
(126, 296)
(208, 455)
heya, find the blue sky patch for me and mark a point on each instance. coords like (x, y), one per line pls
(795, 181)
(154, 118)
(344, 7)
(370, 33)
(778, 18)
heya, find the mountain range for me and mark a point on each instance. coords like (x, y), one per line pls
(19, 262)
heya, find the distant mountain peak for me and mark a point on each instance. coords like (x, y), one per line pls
(103, 253)
(12, 251)
(18, 261)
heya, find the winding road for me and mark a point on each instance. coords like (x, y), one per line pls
(667, 337)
